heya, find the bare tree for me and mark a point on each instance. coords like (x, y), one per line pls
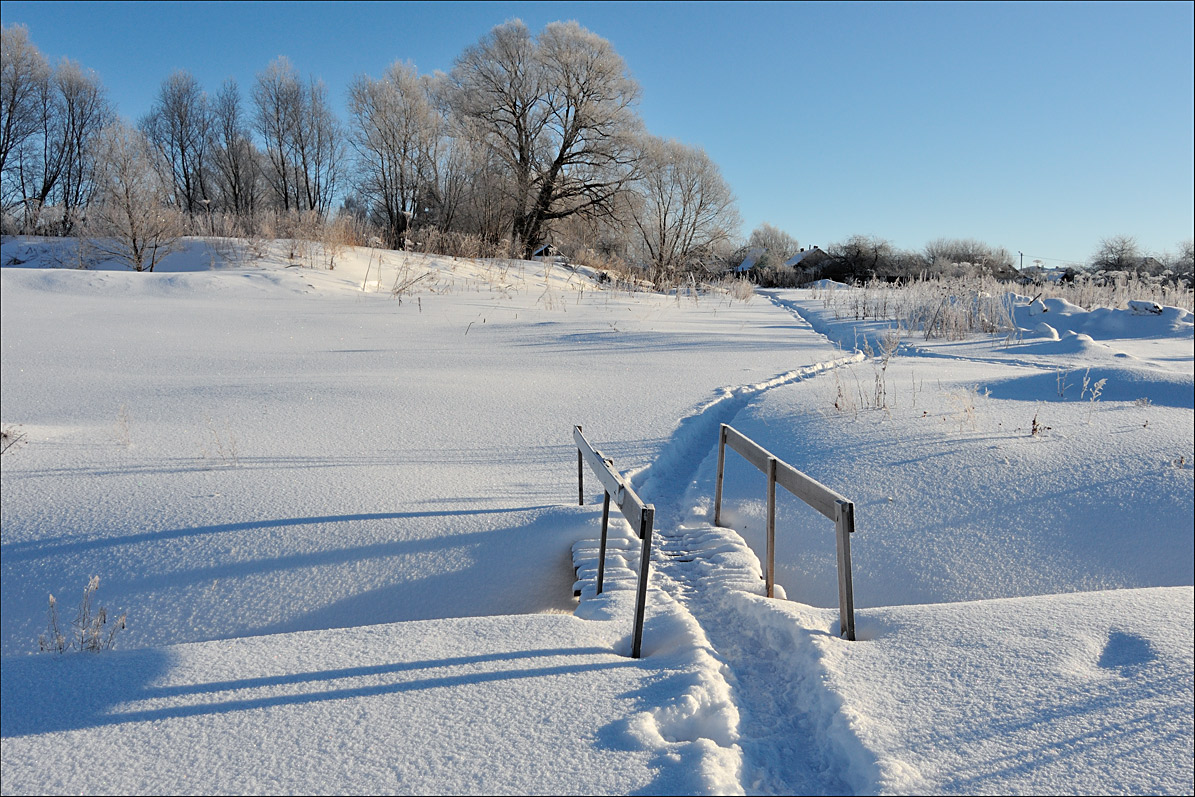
(57, 167)
(278, 100)
(133, 218)
(396, 132)
(180, 126)
(319, 147)
(234, 158)
(557, 110)
(861, 257)
(24, 79)
(1118, 253)
(475, 190)
(304, 143)
(683, 207)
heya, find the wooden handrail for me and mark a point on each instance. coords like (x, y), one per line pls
(640, 515)
(821, 498)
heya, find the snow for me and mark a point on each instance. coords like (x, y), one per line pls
(753, 256)
(343, 525)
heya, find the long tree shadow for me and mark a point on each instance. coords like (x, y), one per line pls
(520, 566)
(36, 549)
(81, 692)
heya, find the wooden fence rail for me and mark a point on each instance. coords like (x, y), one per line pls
(821, 498)
(641, 516)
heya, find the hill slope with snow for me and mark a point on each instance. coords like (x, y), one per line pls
(342, 523)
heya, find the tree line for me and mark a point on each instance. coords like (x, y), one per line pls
(530, 139)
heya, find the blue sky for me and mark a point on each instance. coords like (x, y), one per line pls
(1039, 127)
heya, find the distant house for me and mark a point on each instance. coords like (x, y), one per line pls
(547, 250)
(750, 260)
(807, 258)
(808, 264)
(1150, 265)
(802, 267)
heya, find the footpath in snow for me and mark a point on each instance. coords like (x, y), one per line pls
(1076, 692)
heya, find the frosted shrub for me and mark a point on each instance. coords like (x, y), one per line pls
(1092, 391)
(740, 289)
(91, 630)
(964, 406)
(950, 308)
(1116, 289)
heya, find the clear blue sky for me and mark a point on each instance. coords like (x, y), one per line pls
(1039, 127)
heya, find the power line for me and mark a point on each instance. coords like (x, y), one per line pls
(1055, 259)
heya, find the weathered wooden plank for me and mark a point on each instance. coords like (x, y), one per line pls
(809, 490)
(600, 466)
(821, 498)
(751, 451)
(645, 530)
(621, 493)
(770, 566)
(844, 526)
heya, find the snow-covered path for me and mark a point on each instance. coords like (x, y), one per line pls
(806, 700)
(781, 732)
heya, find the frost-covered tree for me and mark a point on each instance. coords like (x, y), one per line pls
(473, 190)
(133, 217)
(556, 110)
(303, 139)
(777, 245)
(682, 208)
(967, 250)
(1118, 253)
(24, 80)
(53, 173)
(396, 132)
(962, 256)
(235, 160)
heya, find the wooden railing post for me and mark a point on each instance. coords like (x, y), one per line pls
(718, 477)
(845, 526)
(647, 519)
(602, 549)
(580, 477)
(770, 548)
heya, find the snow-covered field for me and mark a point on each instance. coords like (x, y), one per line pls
(343, 527)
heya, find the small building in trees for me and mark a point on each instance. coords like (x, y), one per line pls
(807, 258)
(808, 264)
(749, 261)
(802, 267)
